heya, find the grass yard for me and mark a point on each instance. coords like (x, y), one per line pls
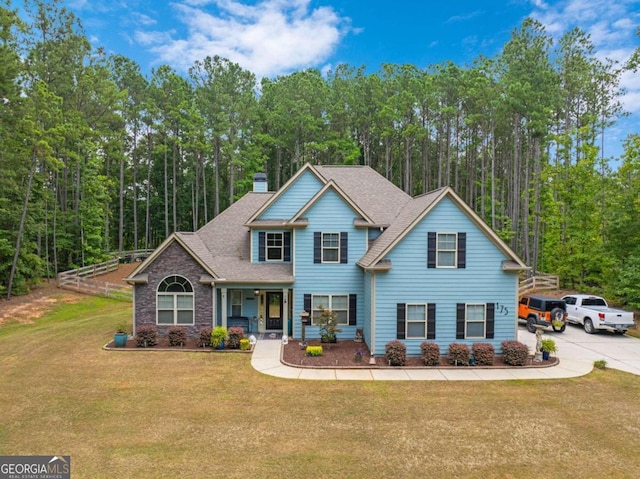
(190, 415)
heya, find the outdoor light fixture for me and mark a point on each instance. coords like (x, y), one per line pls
(256, 292)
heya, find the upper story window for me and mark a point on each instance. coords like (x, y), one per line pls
(446, 250)
(175, 301)
(274, 246)
(330, 247)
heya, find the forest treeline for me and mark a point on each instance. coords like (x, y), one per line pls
(97, 157)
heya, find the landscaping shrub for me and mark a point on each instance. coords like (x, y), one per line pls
(245, 345)
(430, 353)
(396, 353)
(234, 335)
(514, 353)
(459, 354)
(146, 336)
(314, 350)
(177, 336)
(205, 338)
(483, 353)
(218, 336)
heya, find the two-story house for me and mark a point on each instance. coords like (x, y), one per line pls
(341, 238)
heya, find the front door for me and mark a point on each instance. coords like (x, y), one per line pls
(274, 310)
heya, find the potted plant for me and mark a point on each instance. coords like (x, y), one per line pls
(121, 335)
(218, 336)
(548, 346)
(328, 322)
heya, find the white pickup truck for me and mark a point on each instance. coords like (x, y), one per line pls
(594, 314)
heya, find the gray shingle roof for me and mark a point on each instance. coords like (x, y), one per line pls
(227, 243)
(380, 199)
(223, 244)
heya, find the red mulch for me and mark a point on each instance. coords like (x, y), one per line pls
(342, 354)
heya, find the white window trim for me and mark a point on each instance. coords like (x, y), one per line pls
(330, 306)
(267, 247)
(467, 321)
(233, 294)
(175, 309)
(322, 247)
(407, 320)
(455, 250)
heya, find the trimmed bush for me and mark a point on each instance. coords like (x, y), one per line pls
(314, 350)
(458, 354)
(177, 336)
(514, 353)
(146, 336)
(396, 353)
(205, 338)
(234, 335)
(218, 336)
(483, 354)
(245, 345)
(430, 353)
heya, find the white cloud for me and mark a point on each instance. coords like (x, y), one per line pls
(269, 38)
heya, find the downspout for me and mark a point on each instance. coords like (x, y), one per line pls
(373, 315)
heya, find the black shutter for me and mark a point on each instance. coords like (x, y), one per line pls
(491, 309)
(287, 245)
(401, 315)
(431, 321)
(431, 249)
(344, 251)
(460, 310)
(261, 245)
(353, 309)
(317, 247)
(307, 303)
(462, 250)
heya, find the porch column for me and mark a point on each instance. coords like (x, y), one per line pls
(285, 310)
(223, 306)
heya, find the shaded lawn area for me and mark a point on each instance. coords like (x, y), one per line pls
(154, 414)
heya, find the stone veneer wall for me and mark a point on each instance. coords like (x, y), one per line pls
(174, 261)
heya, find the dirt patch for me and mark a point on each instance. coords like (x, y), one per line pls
(43, 298)
(343, 355)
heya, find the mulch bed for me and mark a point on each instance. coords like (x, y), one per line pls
(342, 355)
(162, 344)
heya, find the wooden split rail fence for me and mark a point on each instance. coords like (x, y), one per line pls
(83, 280)
(539, 282)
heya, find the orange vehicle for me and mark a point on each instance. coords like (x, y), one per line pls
(543, 311)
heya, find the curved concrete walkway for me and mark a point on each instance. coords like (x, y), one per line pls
(266, 359)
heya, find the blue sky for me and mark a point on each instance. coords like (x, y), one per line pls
(272, 37)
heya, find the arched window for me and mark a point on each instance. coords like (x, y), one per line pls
(175, 301)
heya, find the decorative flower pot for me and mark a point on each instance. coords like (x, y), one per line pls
(221, 345)
(545, 355)
(120, 339)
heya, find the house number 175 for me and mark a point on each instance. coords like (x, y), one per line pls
(502, 309)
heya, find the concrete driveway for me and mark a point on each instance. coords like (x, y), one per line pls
(619, 351)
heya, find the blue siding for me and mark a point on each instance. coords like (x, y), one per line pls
(329, 214)
(410, 281)
(294, 198)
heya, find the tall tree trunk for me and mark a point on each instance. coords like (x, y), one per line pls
(23, 219)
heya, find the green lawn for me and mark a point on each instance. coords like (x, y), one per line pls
(191, 415)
